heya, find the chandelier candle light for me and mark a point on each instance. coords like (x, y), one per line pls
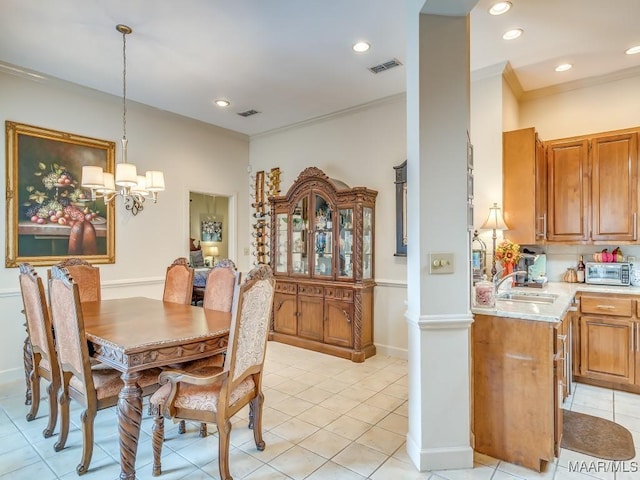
(133, 188)
(494, 222)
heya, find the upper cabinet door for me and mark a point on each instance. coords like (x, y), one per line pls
(614, 187)
(524, 192)
(568, 191)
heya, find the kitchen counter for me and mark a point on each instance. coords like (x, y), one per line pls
(547, 312)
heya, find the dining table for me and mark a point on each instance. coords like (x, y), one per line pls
(138, 333)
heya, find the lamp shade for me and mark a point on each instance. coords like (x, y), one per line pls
(494, 221)
(109, 184)
(212, 251)
(126, 175)
(92, 177)
(155, 180)
(141, 186)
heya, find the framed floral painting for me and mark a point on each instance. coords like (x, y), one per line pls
(50, 217)
(210, 231)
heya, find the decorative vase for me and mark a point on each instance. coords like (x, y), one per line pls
(508, 268)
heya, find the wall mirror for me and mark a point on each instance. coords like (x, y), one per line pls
(401, 209)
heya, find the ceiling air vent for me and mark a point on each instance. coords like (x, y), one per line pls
(248, 113)
(385, 66)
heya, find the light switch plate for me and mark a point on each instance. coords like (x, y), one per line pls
(440, 263)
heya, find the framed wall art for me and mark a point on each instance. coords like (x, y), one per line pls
(401, 209)
(50, 217)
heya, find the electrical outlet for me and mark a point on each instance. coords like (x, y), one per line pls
(246, 251)
(440, 263)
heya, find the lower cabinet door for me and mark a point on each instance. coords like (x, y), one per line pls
(607, 349)
(310, 315)
(284, 314)
(338, 325)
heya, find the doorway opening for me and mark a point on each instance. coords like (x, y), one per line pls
(210, 225)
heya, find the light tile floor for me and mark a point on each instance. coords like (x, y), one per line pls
(325, 418)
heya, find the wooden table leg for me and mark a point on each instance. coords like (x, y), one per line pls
(129, 421)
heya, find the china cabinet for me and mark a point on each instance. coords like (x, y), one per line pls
(322, 255)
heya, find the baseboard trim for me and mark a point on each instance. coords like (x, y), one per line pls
(392, 351)
(439, 458)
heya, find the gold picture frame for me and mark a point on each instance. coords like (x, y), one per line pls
(49, 216)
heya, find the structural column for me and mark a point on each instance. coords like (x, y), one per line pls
(438, 314)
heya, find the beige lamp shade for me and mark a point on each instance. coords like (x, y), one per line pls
(155, 181)
(212, 251)
(126, 175)
(140, 186)
(109, 184)
(92, 177)
(494, 221)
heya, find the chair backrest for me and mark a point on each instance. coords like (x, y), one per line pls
(37, 315)
(178, 283)
(71, 341)
(250, 325)
(86, 276)
(221, 282)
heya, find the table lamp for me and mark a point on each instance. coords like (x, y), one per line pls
(494, 222)
(212, 252)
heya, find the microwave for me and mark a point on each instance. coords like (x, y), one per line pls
(608, 273)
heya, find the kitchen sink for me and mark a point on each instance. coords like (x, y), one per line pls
(530, 297)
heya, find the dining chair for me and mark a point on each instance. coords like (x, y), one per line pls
(86, 276)
(178, 283)
(217, 398)
(43, 354)
(93, 389)
(218, 295)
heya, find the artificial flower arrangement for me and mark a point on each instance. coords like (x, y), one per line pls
(508, 253)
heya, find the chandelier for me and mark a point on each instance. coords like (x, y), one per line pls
(133, 188)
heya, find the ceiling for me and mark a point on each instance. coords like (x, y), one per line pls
(291, 60)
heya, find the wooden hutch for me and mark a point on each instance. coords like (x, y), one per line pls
(322, 251)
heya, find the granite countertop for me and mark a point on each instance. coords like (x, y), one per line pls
(547, 312)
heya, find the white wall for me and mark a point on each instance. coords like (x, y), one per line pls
(184, 149)
(360, 148)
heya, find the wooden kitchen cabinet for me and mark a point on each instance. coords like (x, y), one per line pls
(322, 255)
(578, 190)
(614, 187)
(608, 335)
(568, 191)
(592, 188)
(524, 202)
(516, 390)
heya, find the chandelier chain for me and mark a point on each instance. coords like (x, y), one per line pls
(124, 84)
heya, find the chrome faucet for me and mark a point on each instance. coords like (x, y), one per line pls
(499, 281)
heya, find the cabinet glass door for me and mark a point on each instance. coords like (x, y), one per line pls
(367, 242)
(345, 257)
(299, 236)
(282, 242)
(323, 238)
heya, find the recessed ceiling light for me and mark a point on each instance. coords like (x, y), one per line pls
(512, 34)
(500, 8)
(632, 50)
(361, 47)
(563, 67)
(222, 103)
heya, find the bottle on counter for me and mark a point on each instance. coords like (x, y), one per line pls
(580, 271)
